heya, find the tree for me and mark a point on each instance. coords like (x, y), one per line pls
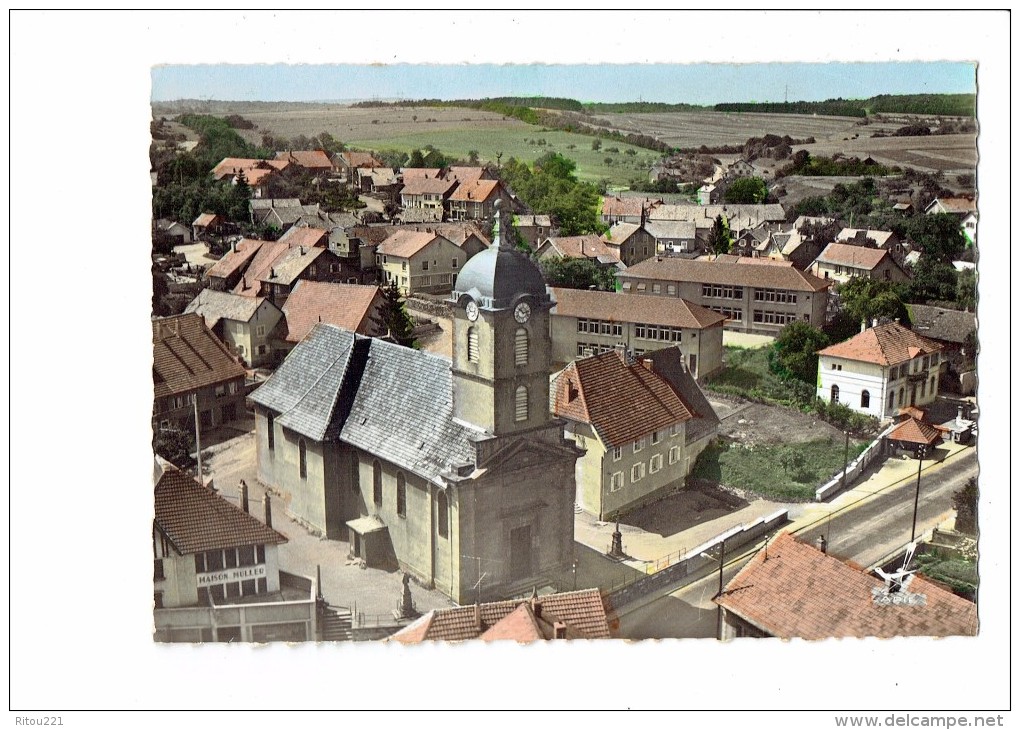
(966, 503)
(578, 274)
(175, 446)
(555, 164)
(939, 236)
(864, 300)
(966, 289)
(747, 190)
(399, 322)
(596, 144)
(473, 157)
(794, 352)
(933, 281)
(719, 237)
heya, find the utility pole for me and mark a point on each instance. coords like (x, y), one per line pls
(922, 451)
(718, 606)
(846, 459)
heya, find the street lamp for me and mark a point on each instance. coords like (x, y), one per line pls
(922, 451)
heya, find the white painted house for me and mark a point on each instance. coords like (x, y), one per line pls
(880, 370)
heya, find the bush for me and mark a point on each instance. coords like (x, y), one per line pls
(845, 418)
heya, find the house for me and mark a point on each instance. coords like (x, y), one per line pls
(964, 209)
(591, 322)
(216, 570)
(348, 162)
(428, 194)
(580, 614)
(711, 193)
(914, 437)
(741, 168)
(416, 173)
(380, 181)
(444, 469)
(626, 210)
(673, 236)
(794, 590)
(631, 418)
(230, 167)
(740, 216)
(176, 233)
(629, 242)
(282, 213)
(880, 370)
(533, 229)
(588, 246)
(206, 224)
(956, 331)
(474, 200)
(843, 261)
(312, 160)
(755, 295)
(244, 324)
(255, 268)
(352, 307)
(466, 174)
(191, 364)
(419, 261)
(791, 246)
(861, 237)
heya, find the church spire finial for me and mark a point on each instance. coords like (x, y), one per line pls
(500, 237)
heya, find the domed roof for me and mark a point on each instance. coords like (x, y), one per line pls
(497, 276)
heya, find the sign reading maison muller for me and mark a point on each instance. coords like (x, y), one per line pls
(232, 575)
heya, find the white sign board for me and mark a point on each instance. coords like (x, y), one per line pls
(231, 575)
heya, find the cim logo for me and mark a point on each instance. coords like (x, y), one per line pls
(231, 575)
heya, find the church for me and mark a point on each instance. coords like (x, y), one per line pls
(454, 472)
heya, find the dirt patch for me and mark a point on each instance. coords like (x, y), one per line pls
(761, 424)
(685, 509)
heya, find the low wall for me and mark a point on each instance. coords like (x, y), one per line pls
(693, 562)
(429, 306)
(854, 469)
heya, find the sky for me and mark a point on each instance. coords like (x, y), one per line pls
(699, 83)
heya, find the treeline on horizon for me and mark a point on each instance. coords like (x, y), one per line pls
(524, 107)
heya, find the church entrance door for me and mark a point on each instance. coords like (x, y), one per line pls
(520, 553)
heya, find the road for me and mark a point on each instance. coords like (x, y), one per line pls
(863, 531)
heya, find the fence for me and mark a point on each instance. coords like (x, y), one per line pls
(691, 562)
(853, 470)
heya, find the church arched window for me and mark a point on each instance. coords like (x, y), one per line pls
(521, 346)
(472, 344)
(865, 399)
(442, 515)
(401, 494)
(377, 482)
(521, 404)
(892, 399)
(834, 394)
(302, 459)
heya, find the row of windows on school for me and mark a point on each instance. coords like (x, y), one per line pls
(641, 331)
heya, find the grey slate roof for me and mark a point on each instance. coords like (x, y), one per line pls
(388, 400)
(216, 305)
(947, 325)
(668, 362)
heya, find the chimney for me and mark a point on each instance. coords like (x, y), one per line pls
(302, 250)
(647, 364)
(268, 505)
(243, 489)
(874, 322)
(823, 544)
(864, 325)
(478, 616)
(233, 246)
(959, 414)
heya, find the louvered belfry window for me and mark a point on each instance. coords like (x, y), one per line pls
(472, 344)
(521, 404)
(521, 346)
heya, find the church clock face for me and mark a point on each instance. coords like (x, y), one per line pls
(472, 311)
(522, 312)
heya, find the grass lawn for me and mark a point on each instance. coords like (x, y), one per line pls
(520, 143)
(784, 472)
(747, 375)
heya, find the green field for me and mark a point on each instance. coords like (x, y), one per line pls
(784, 472)
(521, 143)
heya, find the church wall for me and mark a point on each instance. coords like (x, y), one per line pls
(307, 495)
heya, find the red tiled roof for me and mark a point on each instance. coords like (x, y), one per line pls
(406, 244)
(187, 356)
(668, 311)
(244, 251)
(887, 344)
(195, 518)
(476, 190)
(305, 236)
(345, 305)
(465, 174)
(576, 247)
(360, 159)
(955, 205)
(583, 611)
(624, 401)
(419, 173)
(230, 165)
(613, 206)
(256, 175)
(426, 186)
(915, 431)
(780, 276)
(857, 257)
(800, 592)
(206, 219)
(313, 159)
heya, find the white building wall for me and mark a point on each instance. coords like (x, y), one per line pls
(853, 378)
